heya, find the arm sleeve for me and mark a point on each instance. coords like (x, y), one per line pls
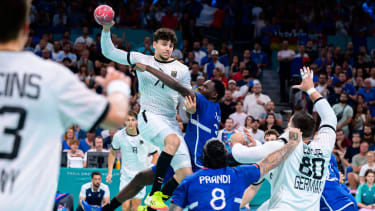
(117, 55)
(250, 174)
(244, 154)
(82, 193)
(76, 104)
(180, 195)
(116, 142)
(327, 130)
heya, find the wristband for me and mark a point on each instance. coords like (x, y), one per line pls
(118, 86)
(310, 91)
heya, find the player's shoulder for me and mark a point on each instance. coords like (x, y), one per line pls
(180, 66)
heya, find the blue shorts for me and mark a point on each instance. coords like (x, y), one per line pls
(168, 175)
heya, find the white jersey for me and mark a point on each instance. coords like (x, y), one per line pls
(298, 183)
(134, 152)
(38, 100)
(156, 97)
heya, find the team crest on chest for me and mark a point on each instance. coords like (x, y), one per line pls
(174, 73)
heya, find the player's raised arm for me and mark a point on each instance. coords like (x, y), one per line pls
(279, 156)
(167, 80)
(327, 128)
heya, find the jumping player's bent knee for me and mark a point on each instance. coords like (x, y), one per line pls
(172, 142)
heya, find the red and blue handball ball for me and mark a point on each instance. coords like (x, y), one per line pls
(104, 15)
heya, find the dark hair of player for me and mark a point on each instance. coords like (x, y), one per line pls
(13, 16)
(219, 88)
(215, 154)
(165, 34)
(133, 114)
(95, 173)
(304, 122)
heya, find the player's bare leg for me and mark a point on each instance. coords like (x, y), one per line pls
(126, 205)
(135, 203)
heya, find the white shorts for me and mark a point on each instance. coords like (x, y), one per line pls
(155, 128)
(126, 181)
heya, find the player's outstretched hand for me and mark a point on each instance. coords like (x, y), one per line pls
(109, 178)
(295, 136)
(140, 67)
(112, 75)
(190, 104)
(307, 76)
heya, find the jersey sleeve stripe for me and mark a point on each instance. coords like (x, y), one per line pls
(260, 182)
(320, 98)
(329, 126)
(101, 117)
(128, 58)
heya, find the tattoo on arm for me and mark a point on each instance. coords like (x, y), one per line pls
(170, 82)
(174, 207)
(276, 158)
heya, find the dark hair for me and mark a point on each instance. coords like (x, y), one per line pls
(305, 122)
(219, 88)
(339, 130)
(165, 34)
(95, 173)
(356, 132)
(133, 114)
(13, 16)
(338, 85)
(369, 171)
(215, 154)
(271, 132)
(99, 137)
(248, 117)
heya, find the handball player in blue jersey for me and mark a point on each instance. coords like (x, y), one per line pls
(203, 125)
(219, 187)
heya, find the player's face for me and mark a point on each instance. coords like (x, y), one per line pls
(208, 89)
(163, 49)
(131, 122)
(96, 180)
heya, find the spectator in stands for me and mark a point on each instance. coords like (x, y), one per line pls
(361, 117)
(56, 49)
(239, 75)
(323, 60)
(341, 143)
(98, 144)
(194, 73)
(334, 97)
(207, 59)
(169, 20)
(244, 85)
(239, 116)
(198, 53)
(60, 19)
(43, 43)
(234, 67)
(147, 47)
(369, 97)
(347, 87)
(365, 196)
(84, 38)
(357, 162)
(369, 165)
(84, 60)
(136, 107)
(190, 60)
(88, 142)
(200, 81)
(344, 113)
(225, 134)
(108, 140)
(219, 75)
(254, 104)
(270, 109)
(368, 136)
(258, 56)
(322, 86)
(214, 63)
(254, 130)
(270, 135)
(231, 86)
(372, 76)
(68, 137)
(75, 155)
(313, 54)
(253, 68)
(66, 53)
(227, 107)
(270, 123)
(46, 54)
(95, 193)
(285, 57)
(345, 158)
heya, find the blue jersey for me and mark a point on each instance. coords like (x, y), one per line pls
(203, 125)
(215, 189)
(336, 196)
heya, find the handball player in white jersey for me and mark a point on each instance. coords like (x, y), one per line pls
(157, 122)
(134, 154)
(297, 184)
(39, 100)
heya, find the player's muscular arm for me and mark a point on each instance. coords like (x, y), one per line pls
(111, 161)
(279, 156)
(249, 194)
(167, 80)
(175, 207)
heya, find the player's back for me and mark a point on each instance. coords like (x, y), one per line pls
(156, 97)
(34, 111)
(297, 184)
(216, 189)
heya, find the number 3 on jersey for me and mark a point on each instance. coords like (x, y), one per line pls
(317, 167)
(12, 131)
(218, 199)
